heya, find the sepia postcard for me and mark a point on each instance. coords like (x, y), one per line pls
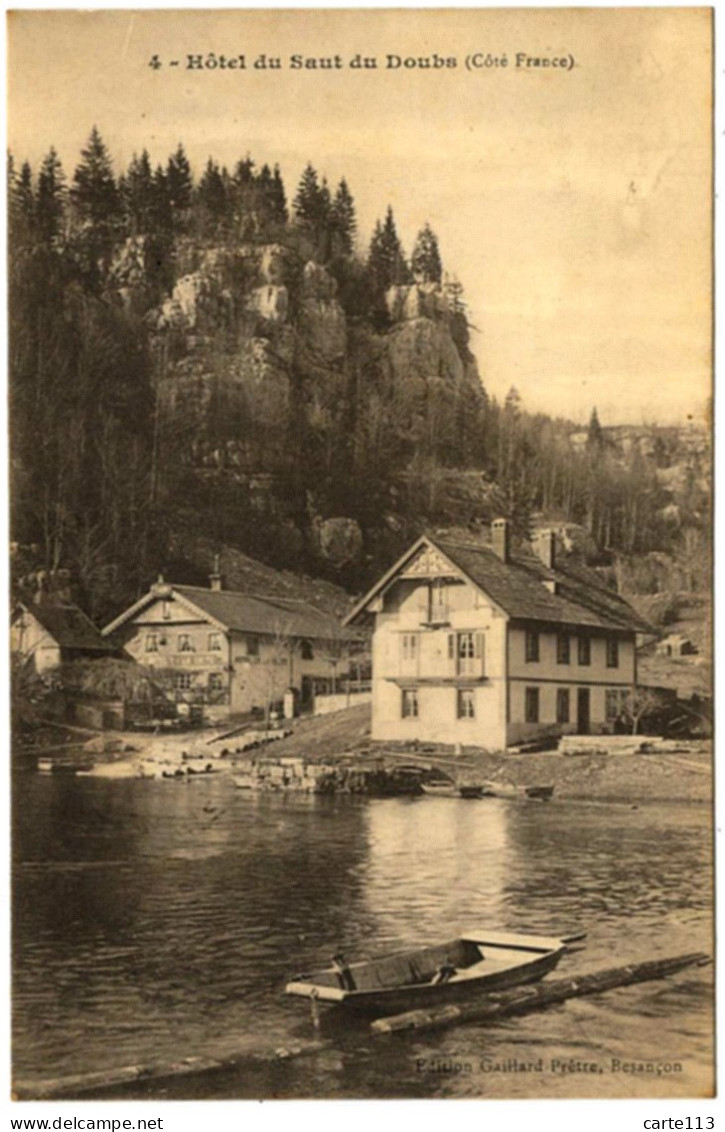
(360, 396)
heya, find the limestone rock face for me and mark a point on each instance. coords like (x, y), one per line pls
(422, 349)
(270, 301)
(322, 324)
(129, 274)
(419, 300)
(317, 283)
(197, 303)
(339, 540)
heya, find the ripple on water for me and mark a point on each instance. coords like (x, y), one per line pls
(143, 931)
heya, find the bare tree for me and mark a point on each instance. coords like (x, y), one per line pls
(280, 652)
(639, 703)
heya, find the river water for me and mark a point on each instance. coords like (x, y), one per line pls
(156, 920)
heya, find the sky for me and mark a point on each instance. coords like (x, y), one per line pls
(573, 204)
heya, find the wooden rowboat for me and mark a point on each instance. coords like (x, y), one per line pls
(475, 963)
(508, 790)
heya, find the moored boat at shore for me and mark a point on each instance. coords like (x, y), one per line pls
(477, 962)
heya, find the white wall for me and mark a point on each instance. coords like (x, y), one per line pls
(406, 611)
(30, 640)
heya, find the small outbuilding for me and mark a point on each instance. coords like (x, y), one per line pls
(49, 634)
(677, 644)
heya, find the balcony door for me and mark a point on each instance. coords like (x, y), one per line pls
(468, 650)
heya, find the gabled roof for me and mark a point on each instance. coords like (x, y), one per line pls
(69, 627)
(518, 587)
(252, 614)
(246, 613)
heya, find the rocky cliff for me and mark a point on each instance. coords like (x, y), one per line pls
(277, 402)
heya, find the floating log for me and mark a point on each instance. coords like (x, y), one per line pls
(519, 1001)
(121, 1076)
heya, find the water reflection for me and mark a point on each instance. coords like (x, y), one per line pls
(154, 919)
(437, 865)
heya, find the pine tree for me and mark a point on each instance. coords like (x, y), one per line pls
(453, 291)
(244, 171)
(94, 193)
(22, 198)
(50, 197)
(162, 216)
(386, 262)
(211, 196)
(343, 221)
(138, 195)
(278, 198)
(425, 261)
(312, 202)
(179, 183)
(307, 200)
(595, 435)
(512, 404)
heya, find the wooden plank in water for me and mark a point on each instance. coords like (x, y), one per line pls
(519, 1001)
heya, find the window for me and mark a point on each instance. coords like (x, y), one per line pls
(584, 649)
(252, 646)
(468, 648)
(152, 642)
(185, 643)
(562, 705)
(306, 651)
(532, 647)
(614, 701)
(466, 708)
(437, 603)
(215, 682)
(532, 705)
(183, 681)
(612, 652)
(410, 703)
(563, 652)
(409, 646)
(215, 642)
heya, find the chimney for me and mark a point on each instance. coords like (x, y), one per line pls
(545, 548)
(500, 538)
(215, 578)
(160, 588)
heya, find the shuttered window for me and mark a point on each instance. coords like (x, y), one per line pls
(466, 703)
(409, 705)
(409, 646)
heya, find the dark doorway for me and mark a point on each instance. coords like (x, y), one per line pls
(582, 711)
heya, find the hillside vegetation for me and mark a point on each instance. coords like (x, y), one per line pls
(198, 364)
